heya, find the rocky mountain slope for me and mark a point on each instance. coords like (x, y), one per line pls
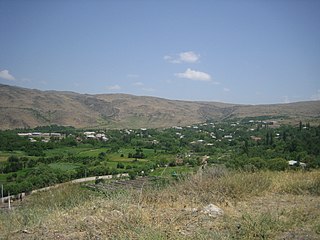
(21, 107)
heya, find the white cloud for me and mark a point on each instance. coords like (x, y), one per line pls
(4, 74)
(194, 75)
(171, 59)
(189, 57)
(184, 57)
(167, 58)
(114, 87)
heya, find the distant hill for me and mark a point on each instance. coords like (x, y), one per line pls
(21, 107)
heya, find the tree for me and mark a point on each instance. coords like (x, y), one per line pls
(246, 147)
(12, 165)
(120, 165)
(267, 138)
(277, 164)
(284, 136)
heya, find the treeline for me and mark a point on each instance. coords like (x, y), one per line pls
(300, 142)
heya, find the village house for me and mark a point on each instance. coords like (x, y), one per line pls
(256, 139)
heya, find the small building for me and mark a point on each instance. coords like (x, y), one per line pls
(56, 135)
(228, 136)
(256, 139)
(91, 136)
(89, 133)
(296, 163)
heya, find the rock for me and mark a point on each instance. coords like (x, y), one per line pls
(26, 231)
(212, 210)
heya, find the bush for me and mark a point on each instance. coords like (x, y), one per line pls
(277, 164)
(132, 175)
(99, 180)
(102, 155)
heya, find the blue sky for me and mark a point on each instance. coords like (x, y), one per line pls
(248, 52)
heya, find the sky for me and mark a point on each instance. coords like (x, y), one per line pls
(235, 51)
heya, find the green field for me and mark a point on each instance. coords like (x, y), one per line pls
(5, 154)
(64, 166)
(3, 178)
(89, 152)
(122, 154)
(66, 151)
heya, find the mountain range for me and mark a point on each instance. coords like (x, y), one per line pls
(25, 108)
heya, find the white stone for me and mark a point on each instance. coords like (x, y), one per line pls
(212, 210)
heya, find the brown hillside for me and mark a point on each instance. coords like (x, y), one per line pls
(20, 107)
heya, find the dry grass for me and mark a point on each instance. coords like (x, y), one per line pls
(22, 107)
(261, 205)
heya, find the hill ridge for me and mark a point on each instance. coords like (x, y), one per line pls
(23, 108)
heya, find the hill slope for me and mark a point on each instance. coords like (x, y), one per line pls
(255, 205)
(20, 107)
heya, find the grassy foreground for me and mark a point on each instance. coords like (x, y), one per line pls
(258, 205)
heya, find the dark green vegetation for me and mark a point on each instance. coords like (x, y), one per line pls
(249, 145)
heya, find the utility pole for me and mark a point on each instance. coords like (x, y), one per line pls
(2, 200)
(9, 201)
